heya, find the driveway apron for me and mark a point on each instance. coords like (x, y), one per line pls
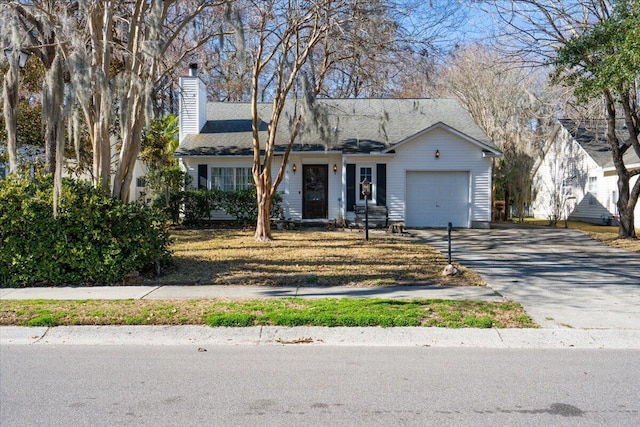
(561, 277)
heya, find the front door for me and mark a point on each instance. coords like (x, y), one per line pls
(314, 191)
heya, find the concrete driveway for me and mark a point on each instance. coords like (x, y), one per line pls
(561, 277)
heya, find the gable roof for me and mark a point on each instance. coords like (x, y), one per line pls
(591, 134)
(345, 125)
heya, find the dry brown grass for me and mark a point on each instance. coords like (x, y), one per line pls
(603, 233)
(312, 258)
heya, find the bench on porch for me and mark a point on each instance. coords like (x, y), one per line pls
(378, 216)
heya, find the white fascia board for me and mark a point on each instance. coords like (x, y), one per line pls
(444, 126)
(315, 153)
(201, 156)
(369, 155)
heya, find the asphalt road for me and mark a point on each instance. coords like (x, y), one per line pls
(302, 385)
(561, 277)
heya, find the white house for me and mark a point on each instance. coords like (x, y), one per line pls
(33, 155)
(428, 161)
(575, 177)
(28, 156)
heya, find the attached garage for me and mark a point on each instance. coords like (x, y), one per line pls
(433, 199)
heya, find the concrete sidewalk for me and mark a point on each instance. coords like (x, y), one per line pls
(271, 335)
(216, 291)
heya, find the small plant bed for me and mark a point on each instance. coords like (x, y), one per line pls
(275, 312)
(311, 258)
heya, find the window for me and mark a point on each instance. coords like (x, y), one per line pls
(592, 189)
(366, 173)
(567, 186)
(231, 179)
(140, 182)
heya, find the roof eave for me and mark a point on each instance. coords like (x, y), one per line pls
(441, 125)
(491, 154)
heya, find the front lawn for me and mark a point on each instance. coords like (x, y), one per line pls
(311, 258)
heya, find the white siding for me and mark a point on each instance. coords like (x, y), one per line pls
(456, 154)
(202, 104)
(565, 161)
(193, 105)
(139, 171)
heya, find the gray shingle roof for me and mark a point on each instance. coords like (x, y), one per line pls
(592, 136)
(346, 125)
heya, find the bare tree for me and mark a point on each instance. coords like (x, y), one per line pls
(38, 22)
(116, 56)
(385, 45)
(279, 37)
(509, 103)
(10, 110)
(10, 84)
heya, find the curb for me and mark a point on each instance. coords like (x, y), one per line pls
(341, 336)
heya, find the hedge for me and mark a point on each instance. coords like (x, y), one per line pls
(94, 239)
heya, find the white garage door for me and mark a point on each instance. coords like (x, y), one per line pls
(436, 198)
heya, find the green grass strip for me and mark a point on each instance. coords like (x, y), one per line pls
(276, 312)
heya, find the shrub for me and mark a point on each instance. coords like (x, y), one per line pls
(166, 190)
(242, 204)
(196, 206)
(94, 238)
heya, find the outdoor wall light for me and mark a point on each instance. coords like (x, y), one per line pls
(437, 154)
(335, 168)
(294, 168)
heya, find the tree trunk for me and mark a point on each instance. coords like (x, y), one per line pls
(626, 228)
(264, 199)
(10, 106)
(507, 205)
(101, 145)
(625, 209)
(263, 225)
(52, 109)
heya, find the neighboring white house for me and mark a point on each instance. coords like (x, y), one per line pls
(575, 177)
(28, 156)
(428, 161)
(32, 155)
